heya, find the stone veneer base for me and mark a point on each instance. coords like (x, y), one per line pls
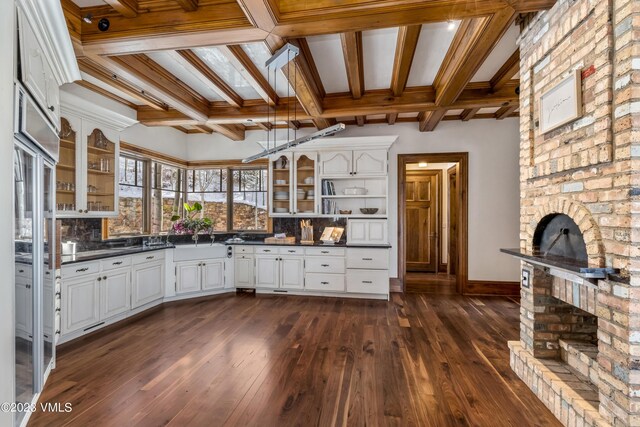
(572, 400)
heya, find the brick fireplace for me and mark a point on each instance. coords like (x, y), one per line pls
(579, 348)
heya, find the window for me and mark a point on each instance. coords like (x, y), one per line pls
(209, 188)
(152, 192)
(167, 196)
(132, 199)
(249, 199)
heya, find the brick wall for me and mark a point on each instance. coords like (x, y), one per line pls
(588, 169)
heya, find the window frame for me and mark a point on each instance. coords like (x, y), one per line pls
(146, 223)
(230, 166)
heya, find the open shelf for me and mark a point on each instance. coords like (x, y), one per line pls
(96, 150)
(97, 172)
(65, 167)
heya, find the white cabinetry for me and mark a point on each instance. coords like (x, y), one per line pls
(279, 268)
(81, 303)
(243, 268)
(196, 276)
(24, 308)
(147, 284)
(368, 271)
(325, 269)
(115, 288)
(367, 232)
(37, 72)
(353, 163)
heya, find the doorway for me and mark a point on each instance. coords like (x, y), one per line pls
(432, 218)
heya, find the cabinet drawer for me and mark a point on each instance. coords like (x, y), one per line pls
(116, 262)
(243, 249)
(326, 251)
(268, 250)
(23, 270)
(368, 259)
(291, 250)
(80, 269)
(148, 257)
(324, 282)
(368, 281)
(325, 265)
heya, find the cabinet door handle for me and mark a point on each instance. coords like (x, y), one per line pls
(116, 263)
(367, 281)
(52, 108)
(150, 257)
(267, 250)
(367, 259)
(20, 271)
(291, 251)
(58, 294)
(80, 270)
(324, 283)
(324, 265)
(28, 286)
(57, 331)
(324, 252)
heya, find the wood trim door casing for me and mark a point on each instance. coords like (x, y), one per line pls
(462, 159)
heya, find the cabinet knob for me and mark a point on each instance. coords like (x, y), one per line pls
(52, 108)
(104, 277)
(99, 279)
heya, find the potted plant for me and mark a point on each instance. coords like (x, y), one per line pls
(191, 224)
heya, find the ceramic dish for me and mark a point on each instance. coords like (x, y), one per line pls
(368, 211)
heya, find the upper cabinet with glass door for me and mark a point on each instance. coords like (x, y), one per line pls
(102, 164)
(87, 173)
(305, 183)
(282, 188)
(66, 170)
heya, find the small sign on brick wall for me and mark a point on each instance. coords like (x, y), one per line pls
(561, 103)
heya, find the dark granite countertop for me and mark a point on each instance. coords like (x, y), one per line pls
(112, 252)
(337, 245)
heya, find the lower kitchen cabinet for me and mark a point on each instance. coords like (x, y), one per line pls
(81, 303)
(147, 284)
(115, 292)
(24, 308)
(279, 272)
(243, 271)
(195, 276)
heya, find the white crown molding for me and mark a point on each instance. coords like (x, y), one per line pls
(47, 19)
(346, 143)
(74, 105)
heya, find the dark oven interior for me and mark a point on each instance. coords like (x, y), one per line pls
(559, 236)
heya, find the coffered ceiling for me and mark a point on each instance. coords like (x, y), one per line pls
(199, 65)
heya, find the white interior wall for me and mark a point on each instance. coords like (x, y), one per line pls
(444, 204)
(7, 22)
(494, 206)
(164, 139)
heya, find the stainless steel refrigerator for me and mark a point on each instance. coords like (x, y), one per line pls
(35, 153)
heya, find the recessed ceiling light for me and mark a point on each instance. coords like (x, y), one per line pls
(451, 25)
(422, 164)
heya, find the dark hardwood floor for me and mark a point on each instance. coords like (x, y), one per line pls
(430, 283)
(418, 360)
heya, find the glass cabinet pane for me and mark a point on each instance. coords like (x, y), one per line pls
(281, 203)
(101, 167)
(66, 169)
(305, 184)
(24, 182)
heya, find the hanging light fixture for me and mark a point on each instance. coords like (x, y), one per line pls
(282, 57)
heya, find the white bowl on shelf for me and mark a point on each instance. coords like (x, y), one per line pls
(280, 210)
(280, 182)
(354, 191)
(308, 180)
(281, 195)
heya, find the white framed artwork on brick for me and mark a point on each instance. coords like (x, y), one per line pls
(561, 103)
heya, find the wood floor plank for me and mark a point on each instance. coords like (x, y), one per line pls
(245, 360)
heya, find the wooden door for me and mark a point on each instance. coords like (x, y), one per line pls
(453, 218)
(421, 221)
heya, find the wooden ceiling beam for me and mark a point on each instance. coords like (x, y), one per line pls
(261, 13)
(507, 71)
(469, 114)
(266, 126)
(405, 51)
(91, 68)
(171, 29)
(506, 111)
(203, 129)
(250, 72)
(127, 8)
(294, 124)
(190, 60)
(147, 74)
(233, 132)
(303, 76)
(428, 120)
(413, 100)
(181, 129)
(392, 118)
(353, 61)
(188, 5)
